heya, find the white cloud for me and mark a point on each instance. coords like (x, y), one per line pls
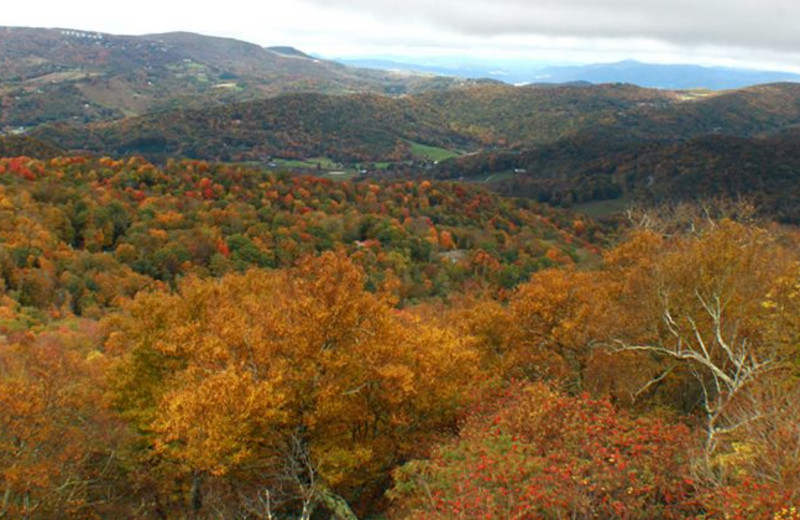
(752, 32)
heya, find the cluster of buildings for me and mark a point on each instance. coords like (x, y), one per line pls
(81, 34)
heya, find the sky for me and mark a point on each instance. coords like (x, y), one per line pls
(742, 33)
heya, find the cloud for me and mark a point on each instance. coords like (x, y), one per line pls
(759, 24)
(752, 33)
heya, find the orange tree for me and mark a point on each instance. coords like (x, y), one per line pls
(298, 383)
(58, 437)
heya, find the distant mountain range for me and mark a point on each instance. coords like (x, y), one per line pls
(664, 76)
(677, 77)
(78, 77)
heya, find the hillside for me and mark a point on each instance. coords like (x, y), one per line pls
(761, 169)
(19, 145)
(568, 143)
(515, 117)
(744, 112)
(364, 127)
(353, 128)
(100, 219)
(77, 77)
(520, 117)
(734, 144)
(542, 128)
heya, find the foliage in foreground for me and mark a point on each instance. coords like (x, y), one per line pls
(541, 454)
(660, 382)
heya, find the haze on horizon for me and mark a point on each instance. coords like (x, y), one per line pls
(746, 33)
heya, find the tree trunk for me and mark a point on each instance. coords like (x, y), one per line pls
(196, 494)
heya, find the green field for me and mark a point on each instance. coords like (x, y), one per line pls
(323, 162)
(431, 153)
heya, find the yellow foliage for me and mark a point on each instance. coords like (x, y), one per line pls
(227, 374)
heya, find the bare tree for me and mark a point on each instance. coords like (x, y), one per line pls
(726, 365)
(678, 218)
(295, 479)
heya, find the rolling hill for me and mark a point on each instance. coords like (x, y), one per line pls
(480, 119)
(363, 127)
(735, 144)
(61, 75)
(566, 144)
(763, 170)
(20, 145)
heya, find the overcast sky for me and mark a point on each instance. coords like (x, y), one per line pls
(756, 33)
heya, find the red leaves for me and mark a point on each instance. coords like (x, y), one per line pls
(23, 167)
(569, 456)
(223, 249)
(750, 499)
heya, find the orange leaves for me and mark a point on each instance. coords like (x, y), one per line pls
(484, 262)
(557, 256)
(549, 324)
(55, 425)
(446, 240)
(225, 373)
(217, 422)
(579, 227)
(173, 217)
(223, 249)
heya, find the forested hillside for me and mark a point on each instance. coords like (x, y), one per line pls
(519, 117)
(739, 144)
(562, 145)
(15, 146)
(208, 339)
(80, 232)
(368, 126)
(75, 77)
(343, 128)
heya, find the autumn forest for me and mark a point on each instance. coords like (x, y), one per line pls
(218, 341)
(431, 299)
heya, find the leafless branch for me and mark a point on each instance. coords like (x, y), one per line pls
(723, 363)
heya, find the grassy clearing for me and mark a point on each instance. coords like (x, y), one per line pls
(430, 153)
(322, 162)
(497, 176)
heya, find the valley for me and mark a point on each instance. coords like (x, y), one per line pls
(558, 144)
